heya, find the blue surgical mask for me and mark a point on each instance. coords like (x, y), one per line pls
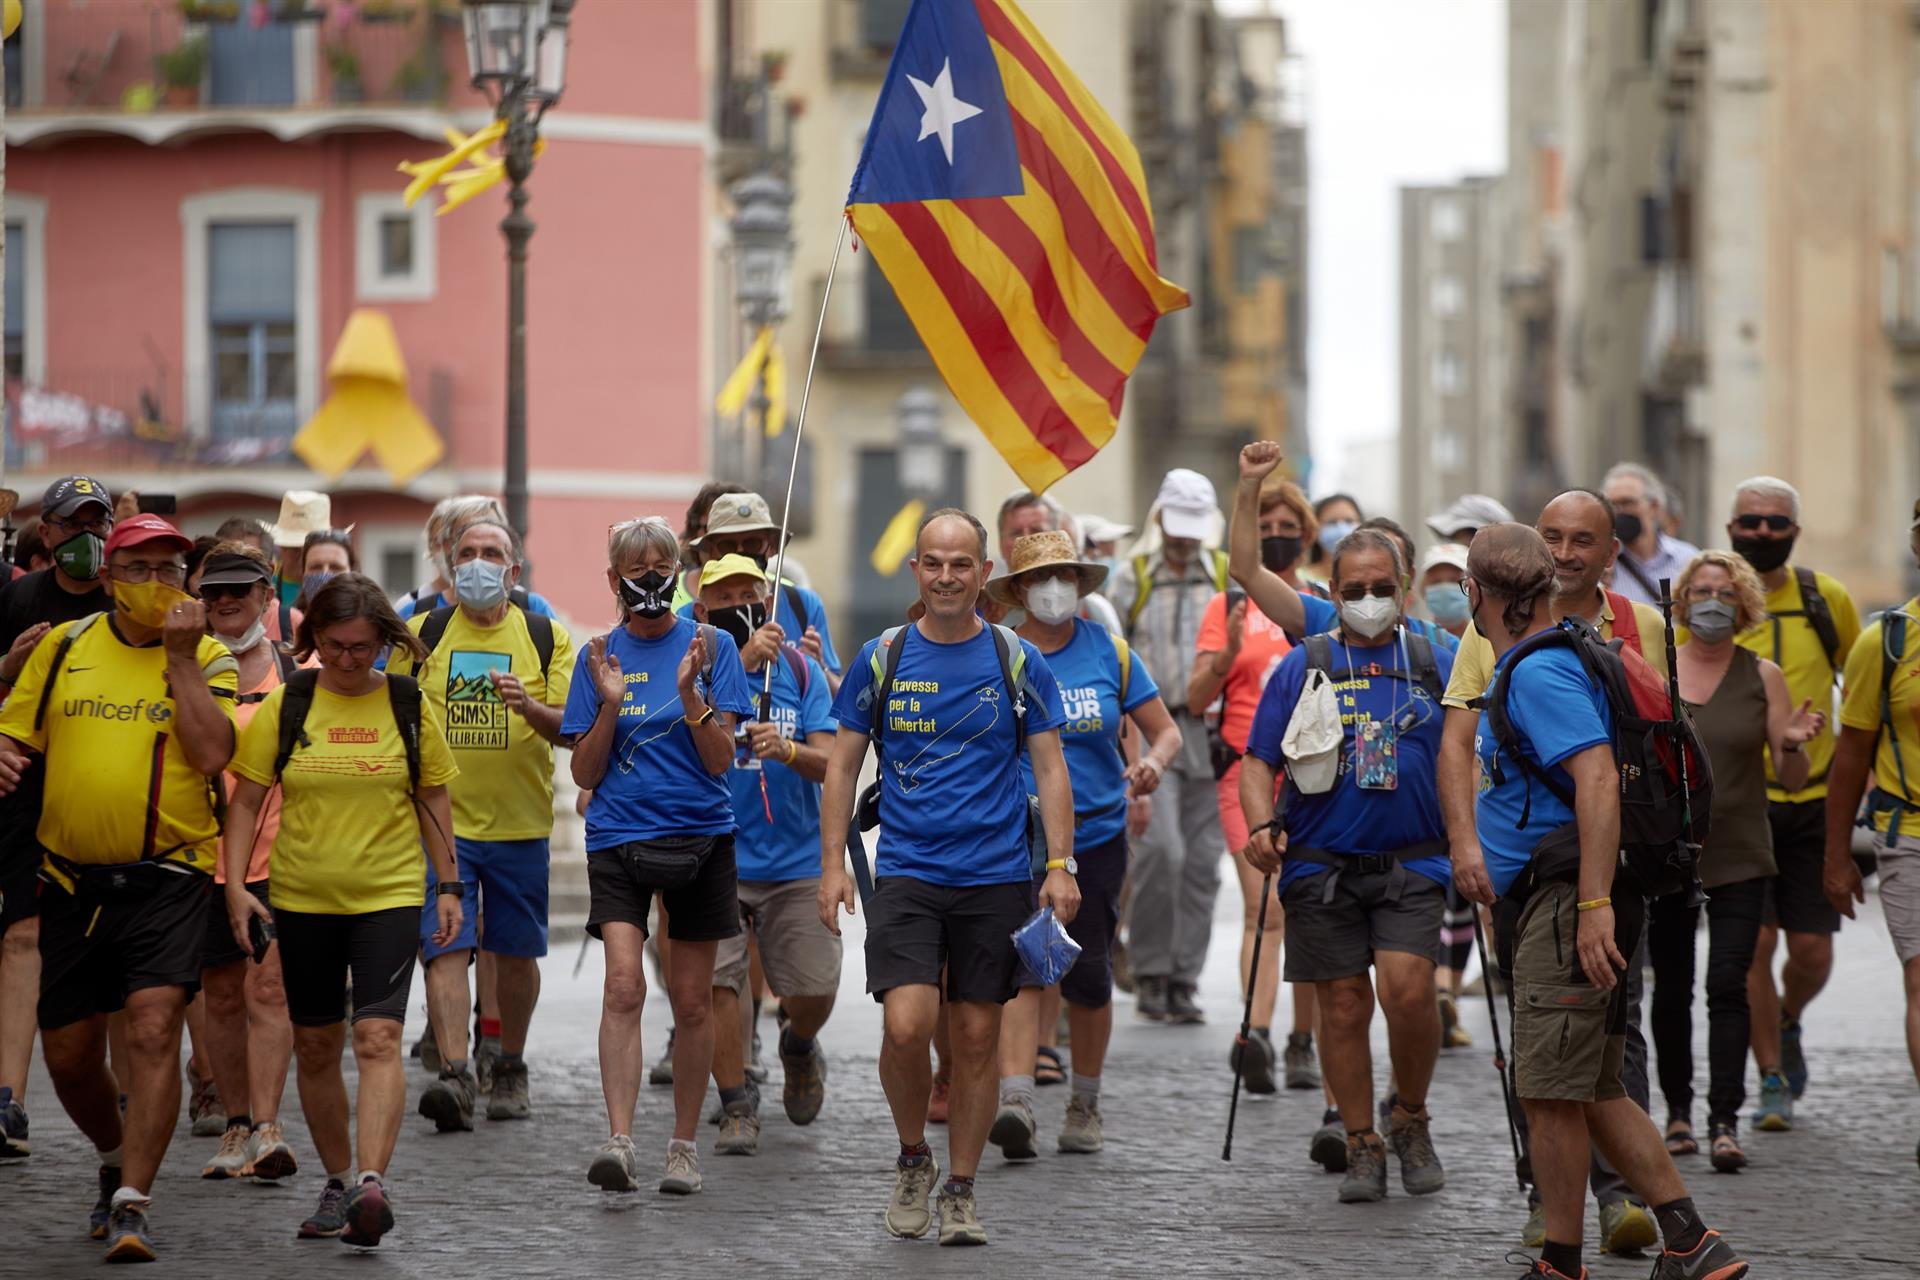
(480, 584)
(1448, 604)
(1330, 534)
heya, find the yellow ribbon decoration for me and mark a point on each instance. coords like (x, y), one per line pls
(762, 356)
(896, 543)
(369, 408)
(776, 375)
(428, 172)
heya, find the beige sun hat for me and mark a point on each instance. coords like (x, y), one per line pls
(1042, 551)
(302, 511)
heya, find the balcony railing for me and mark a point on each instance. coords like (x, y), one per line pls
(152, 56)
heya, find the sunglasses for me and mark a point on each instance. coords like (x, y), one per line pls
(1379, 591)
(1778, 524)
(212, 593)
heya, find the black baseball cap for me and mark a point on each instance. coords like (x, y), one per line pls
(68, 494)
(231, 569)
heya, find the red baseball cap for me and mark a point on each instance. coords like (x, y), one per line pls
(140, 530)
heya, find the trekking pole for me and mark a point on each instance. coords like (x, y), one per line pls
(1246, 1018)
(1499, 1050)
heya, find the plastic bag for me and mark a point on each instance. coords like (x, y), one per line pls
(1045, 948)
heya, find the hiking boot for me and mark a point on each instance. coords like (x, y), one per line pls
(369, 1214)
(682, 1177)
(1726, 1155)
(908, 1217)
(662, 1071)
(1366, 1178)
(1302, 1071)
(1182, 1009)
(1328, 1149)
(960, 1218)
(236, 1152)
(209, 1117)
(1452, 1034)
(1626, 1227)
(1150, 999)
(508, 1100)
(448, 1101)
(1537, 1268)
(1711, 1259)
(757, 1065)
(1533, 1235)
(102, 1211)
(937, 1101)
(13, 1128)
(739, 1131)
(1793, 1060)
(330, 1218)
(613, 1165)
(127, 1238)
(486, 1061)
(1775, 1112)
(1080, 1132)
(427, 1049)
(272, 1157)
(806, 1083)
(1253, 1059)
(1013, 1130)
(1412, 1138)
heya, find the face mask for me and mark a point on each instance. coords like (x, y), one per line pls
(1279, 553)
(311, 584)
(480, 584)
(651, 596)
(1448, 605)
(146, 603)
(1628, 527)
(1764, 554)
(739, 621)
(1711, 620)
(1330, 534)
(1053, 601)
(252, 636)
(1370, 616)
(81, 556)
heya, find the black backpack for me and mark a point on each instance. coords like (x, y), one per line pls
(403, 693)
(539, 630)
(1422, 669)
(1813, 607)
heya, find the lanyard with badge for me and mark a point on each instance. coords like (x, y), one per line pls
(1376, 754)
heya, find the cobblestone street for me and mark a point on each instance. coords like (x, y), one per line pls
(1837, 1197)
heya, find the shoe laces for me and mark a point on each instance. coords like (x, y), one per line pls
(233, 1142)
(681, 1160)
(332, 1196)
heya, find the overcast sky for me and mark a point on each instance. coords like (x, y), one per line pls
(1398, 92)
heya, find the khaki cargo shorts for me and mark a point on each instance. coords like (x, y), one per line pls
(1569, 1036)
(798, 954)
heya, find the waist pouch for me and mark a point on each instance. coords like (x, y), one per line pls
(671, 862)
(1393, 862)
(119, 883)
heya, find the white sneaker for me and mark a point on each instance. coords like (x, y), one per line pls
(683, 1172)
(236, 1152)
(613, 1166)
(908, 1217)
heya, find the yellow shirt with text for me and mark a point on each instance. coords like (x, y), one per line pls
(1473, 664)
(1792, 644)
(1860, 709)
(349, 839)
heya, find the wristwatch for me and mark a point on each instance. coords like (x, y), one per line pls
(1069, 865)
(704, 717)
(451, 888)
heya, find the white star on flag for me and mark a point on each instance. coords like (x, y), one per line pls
(943, 110)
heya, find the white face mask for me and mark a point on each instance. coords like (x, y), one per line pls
(1370, 616)
(245, 642)
(1054, 600)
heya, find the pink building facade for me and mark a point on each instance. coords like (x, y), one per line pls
(182, 255)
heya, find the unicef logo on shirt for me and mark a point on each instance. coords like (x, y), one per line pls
(159, 713)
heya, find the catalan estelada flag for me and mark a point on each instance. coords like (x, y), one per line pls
(1010, 215)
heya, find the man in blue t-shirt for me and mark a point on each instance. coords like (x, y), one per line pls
(1569, 942)
(1365, 868)
(778, 762)
(955, 876)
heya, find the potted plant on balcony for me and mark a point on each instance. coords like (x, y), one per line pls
(385, 11)
(210, 10)
(343, 66)
(416, 81)
(182, 69)
(446, 12)
(298, 11)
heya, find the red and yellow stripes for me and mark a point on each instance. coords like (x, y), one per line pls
(1035, 307)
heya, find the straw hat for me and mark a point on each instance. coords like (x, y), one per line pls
(302, 511)
(1043, 551)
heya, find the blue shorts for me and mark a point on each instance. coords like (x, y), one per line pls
(507, 883)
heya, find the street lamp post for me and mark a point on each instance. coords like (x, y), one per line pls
(762, 276)
(921, 463)
(517, 54)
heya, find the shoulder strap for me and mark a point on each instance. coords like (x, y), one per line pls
(893, 640)
(295, 703)
(1013, 662)
(521, 597)
(1122, 652)
(403, 692)
(540, 631)
(284, 660)
(1893, 647)
(797, 663)
(1627, 632)
(286, 622)
(59, 662)
(1319, 653)
(1632, 566)
(434, 629)
(1220, 578)
(1819, 616)
(797, 603)
(1142, 591)
(1423, 670)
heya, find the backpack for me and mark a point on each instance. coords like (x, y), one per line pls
(1143, 585)
(1819, 616)
(287, 665)
(1422, 670)
(1893, 647)
(1013, 666)
(1628, 635)
(539, 630)
(403, 693)
(1666, 784)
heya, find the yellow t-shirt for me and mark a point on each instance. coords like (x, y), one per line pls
(1860, 709)
(349, 842)
(1794, 646)
(1473, 664)
(505, 789)
(119, 788)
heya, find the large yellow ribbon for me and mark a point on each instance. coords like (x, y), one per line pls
(763, 355)
(461, 185)
(369, 408)
(896, 543)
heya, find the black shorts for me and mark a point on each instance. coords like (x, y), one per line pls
(1329, 940)
(221, 949)
(94, 953)
(1796, 895)
(705, 910)
(914, 928)
(1103, 871)
(319, 952)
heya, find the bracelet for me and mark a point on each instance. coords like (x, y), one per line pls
(793, 752)
(1594, 905)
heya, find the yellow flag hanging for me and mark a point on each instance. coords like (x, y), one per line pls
(368, 408)
(762, 358)
(896, 543)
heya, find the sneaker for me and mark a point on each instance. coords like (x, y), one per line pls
(1080, 1132)
(102, 1211)
(1726, 1155)
(1150, 999)
(1626, 1227)
(1182, 1009)
(13, 1128)
(508, 1097)
(937, 1101)
(1533, 1235)
(330, 1217)
(486, 1061)
(1253, 1059)
(1412, 1139)
(1711, 1259)
(209, 1117)
(1452, 1034)
(1302, 1071)
(1328, 1149)
(427, 1049)
(448, 1101)
(272, 1157)
(1793, 1060)
(739, 1131)
(960, 1219)
(613, 1166)
(662, 1071)
(1775, 1113)
(127, 1238)
(236, 1152)
(1013, 1130)
(756, 1064)
(1538, 1268)
(908, 1217)
(1366, 1178)
(369, 1214)
(682, 1177)
(806, 1083)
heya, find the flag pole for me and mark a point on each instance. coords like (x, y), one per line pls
(793, 468)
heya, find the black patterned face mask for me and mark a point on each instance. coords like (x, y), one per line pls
(650, 597)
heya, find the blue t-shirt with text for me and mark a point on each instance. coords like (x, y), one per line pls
(816, 617)
(953, 801)
(655, 785)
(1349, 819)
(1087, 669)
(776, 811)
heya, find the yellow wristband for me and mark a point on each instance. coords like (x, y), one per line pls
(1056, 864)
(1594, 905)
(793, 752)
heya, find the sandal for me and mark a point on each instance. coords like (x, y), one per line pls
(1680, 1139)
(1727, 1156)
(1047, 1067)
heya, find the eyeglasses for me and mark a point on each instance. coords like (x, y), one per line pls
(1379, 591)
(139, 571)
(333, 650)
(1700, 595)
(1778, 524)
(99, 524)
(215, 592)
